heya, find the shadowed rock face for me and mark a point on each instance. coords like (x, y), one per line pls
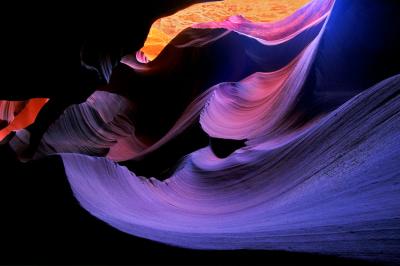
(46, 53)
(69, 52)
(358, 50)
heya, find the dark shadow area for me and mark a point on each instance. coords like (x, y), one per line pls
(359, 49)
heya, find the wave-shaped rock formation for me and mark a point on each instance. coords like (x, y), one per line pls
(247, 135)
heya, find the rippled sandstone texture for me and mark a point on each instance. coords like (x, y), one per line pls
(165, 29)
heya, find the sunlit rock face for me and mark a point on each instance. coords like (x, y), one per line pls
(165, 29)
(18, 114)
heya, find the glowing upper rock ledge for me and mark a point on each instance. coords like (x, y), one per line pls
(165, 29)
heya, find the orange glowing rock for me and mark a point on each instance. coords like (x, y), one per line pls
(165, 29)
(25, 118)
